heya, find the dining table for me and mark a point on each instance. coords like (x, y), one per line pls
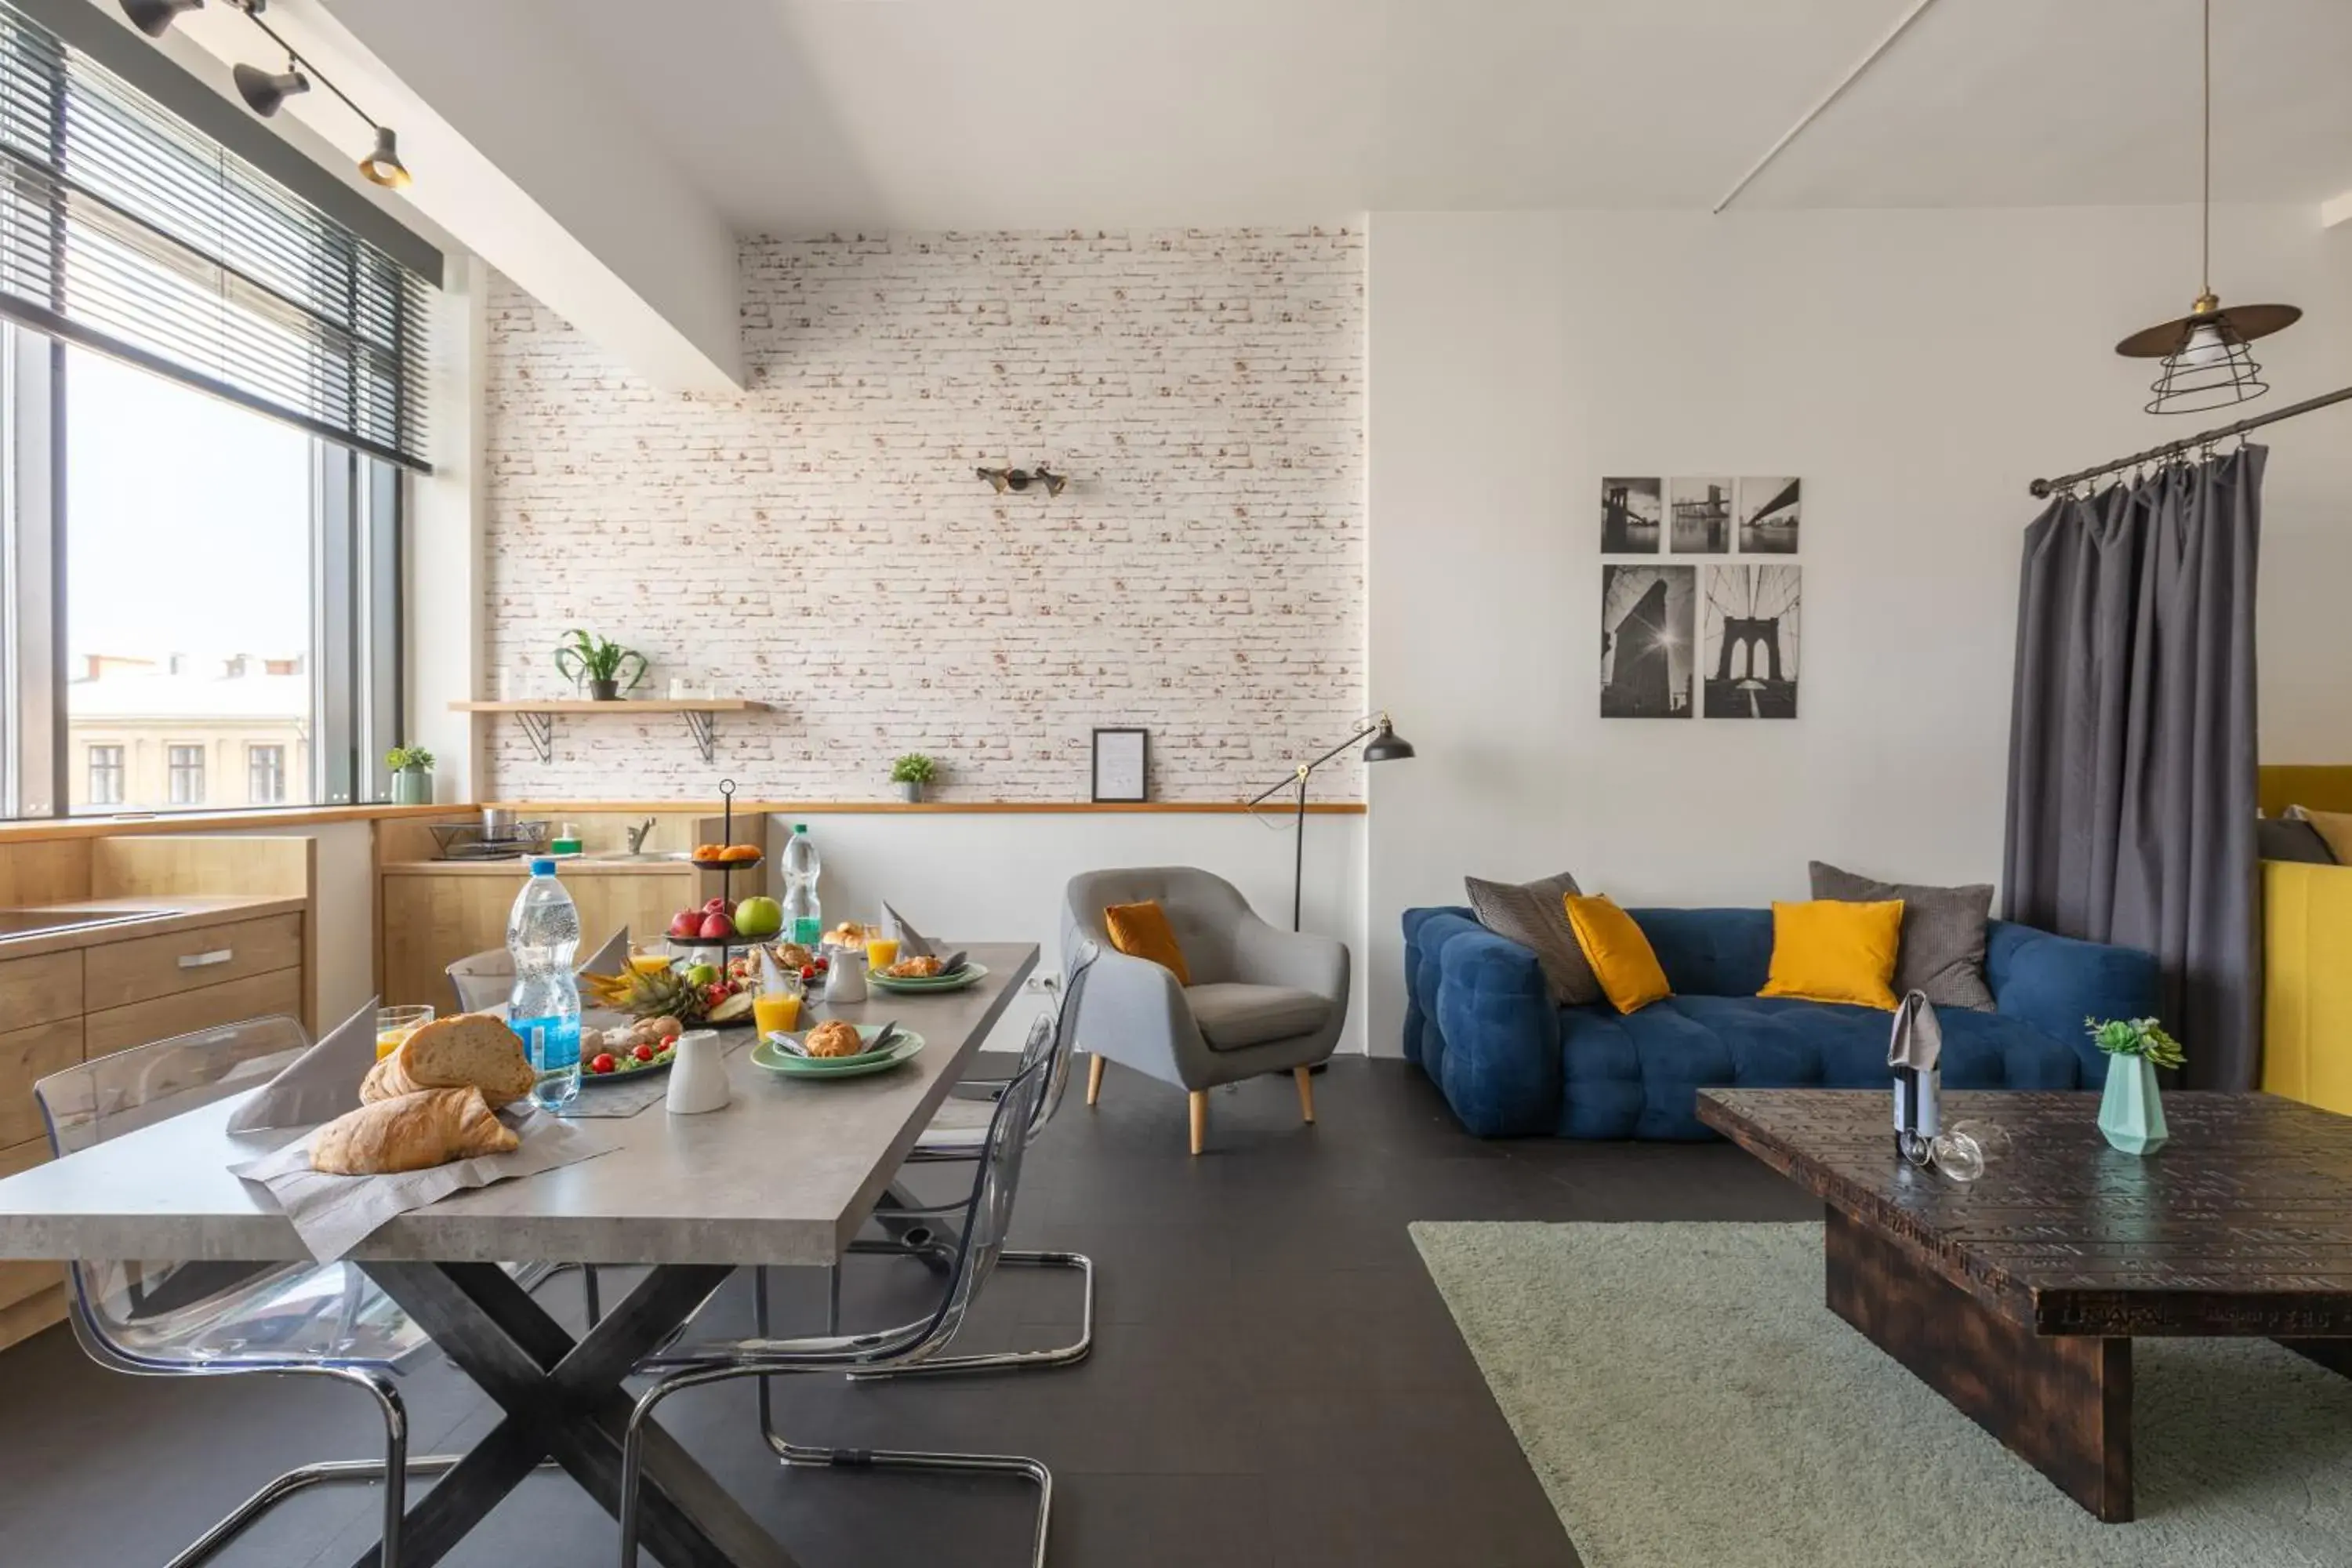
(785, 1174)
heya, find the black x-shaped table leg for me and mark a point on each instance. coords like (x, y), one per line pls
(563, 1400)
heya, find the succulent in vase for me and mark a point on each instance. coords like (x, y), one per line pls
(599, 665)
(2131, 1111)
(411, 775)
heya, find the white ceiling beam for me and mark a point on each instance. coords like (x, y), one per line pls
(535, 174)
(2336, 211)
(1917, 9)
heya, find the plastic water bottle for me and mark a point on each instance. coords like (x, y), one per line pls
(803, 920)
(544, 935)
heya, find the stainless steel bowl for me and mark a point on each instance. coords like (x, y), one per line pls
(497, 822)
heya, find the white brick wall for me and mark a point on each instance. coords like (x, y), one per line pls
(821, 544)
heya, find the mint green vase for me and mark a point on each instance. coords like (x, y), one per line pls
(2131, 1113)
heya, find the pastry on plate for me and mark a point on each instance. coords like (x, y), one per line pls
(923, 968)
(832, 1039)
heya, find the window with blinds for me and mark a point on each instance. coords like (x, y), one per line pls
(126, 230)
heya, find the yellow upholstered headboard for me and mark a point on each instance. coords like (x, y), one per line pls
(2316, 788)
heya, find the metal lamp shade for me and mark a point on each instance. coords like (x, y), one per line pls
(1388, 746)
(265, 93)
(154, 17)
(384, 167)
(2207, 364)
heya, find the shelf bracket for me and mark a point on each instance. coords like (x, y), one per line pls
(698, 726)
(541, 727)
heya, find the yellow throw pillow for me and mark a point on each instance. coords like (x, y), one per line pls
(1828, 951)
(1141, 931)
(1619, 953)
(2334, 828)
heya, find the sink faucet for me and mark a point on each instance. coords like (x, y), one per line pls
(637, 835)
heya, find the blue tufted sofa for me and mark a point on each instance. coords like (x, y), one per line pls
(1481, 1024)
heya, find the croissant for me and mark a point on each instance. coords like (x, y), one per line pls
(410, 1133)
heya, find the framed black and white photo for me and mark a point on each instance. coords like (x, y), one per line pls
(1629, 516)
(1753, 628)
(1701, 513)
(1768, 516)
(1122, 763)
(1646, 624)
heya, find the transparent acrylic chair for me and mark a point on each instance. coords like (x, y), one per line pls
(210, 1318)
(978, 1223)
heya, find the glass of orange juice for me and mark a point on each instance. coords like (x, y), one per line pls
(394, 1025)
(649, 963)
(881, 952)
(778, 1011)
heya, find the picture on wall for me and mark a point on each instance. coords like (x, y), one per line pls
(1768, 516)
(1629, 516)
(1701, 509)
(1750, 653)
(1647, 620)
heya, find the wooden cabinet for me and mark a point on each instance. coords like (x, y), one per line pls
(40, 990)
(430, 918)
(144, 968)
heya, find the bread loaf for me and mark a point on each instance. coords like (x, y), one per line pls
(410, 1133)
(469, 1049)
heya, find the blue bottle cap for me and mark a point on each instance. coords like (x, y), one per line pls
(542, 868)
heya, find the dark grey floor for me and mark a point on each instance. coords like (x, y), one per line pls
(1275, 1380)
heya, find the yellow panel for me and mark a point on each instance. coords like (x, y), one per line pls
(2319, 789)
(2307, 982)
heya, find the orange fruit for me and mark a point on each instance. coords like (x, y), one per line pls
(710, 851)
(739, 852)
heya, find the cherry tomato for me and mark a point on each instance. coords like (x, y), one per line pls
(643, 1053)
(604, 1062)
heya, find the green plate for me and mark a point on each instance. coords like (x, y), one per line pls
(765, 1055)
(971, 974)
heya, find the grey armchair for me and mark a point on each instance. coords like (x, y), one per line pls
(1262, 999)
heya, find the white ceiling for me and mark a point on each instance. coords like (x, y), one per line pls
(793, 116)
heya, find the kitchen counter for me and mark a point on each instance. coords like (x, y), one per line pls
(520, 867)
(188, 912)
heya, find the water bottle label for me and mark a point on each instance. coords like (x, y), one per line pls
(806, 930)
(553, 1043)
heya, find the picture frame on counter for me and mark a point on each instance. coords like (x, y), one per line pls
(1122, 765)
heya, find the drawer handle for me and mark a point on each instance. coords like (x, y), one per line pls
(206, 960)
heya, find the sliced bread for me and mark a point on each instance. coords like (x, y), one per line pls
(469, 1049)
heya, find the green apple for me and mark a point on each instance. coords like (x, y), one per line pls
(701, 974)
(760, 916)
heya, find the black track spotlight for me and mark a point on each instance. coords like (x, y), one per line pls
(265, 94)
(383, 165)
(154, 17)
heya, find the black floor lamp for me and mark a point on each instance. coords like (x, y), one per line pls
(1387, 746)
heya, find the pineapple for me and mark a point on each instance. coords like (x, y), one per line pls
(666, 991)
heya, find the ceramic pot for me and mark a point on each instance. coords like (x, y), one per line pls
(412, 787)
(697, 1078)
(911, 790)
(2131, 1113)
(603, 691)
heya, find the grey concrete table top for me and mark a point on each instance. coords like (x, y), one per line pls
(785, 1174)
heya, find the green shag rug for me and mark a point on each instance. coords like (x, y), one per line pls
(1687, 1400)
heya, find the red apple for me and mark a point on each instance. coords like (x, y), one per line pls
(715, 907)
(715, 925)
(686, 924)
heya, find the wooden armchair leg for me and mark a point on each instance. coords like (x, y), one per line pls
(1305, 1094)
(1094, 1079)
(1200, 1119)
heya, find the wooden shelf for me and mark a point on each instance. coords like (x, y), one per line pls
(537, 714)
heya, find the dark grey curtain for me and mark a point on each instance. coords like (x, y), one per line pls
(2132, 749)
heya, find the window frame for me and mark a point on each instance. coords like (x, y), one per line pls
(185, 757)
(116, 769)
(255, 751)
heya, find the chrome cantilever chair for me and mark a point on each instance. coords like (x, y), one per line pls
(213, 1319)
(979, 1222)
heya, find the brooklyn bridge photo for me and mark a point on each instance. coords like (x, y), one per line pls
(1749, 657)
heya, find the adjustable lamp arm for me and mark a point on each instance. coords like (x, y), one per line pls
(1298, 775)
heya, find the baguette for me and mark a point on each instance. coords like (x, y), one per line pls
(469, 1049)
(410, 1133)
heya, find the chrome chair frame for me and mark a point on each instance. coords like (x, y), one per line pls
(979, 1220)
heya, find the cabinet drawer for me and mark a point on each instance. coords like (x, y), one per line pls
(26, 1055)
(144, 1023)
(147, 967)
(40, 990)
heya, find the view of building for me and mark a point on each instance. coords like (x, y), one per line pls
(185, 731)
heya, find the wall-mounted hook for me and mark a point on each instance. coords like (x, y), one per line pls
(1022, 479)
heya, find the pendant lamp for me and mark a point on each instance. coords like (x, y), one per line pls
(2207, 364)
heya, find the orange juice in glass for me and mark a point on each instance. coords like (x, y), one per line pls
(649, 963)
(394, 1025)
(881, 952)
(776, 1012)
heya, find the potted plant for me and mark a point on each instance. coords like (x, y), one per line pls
(411, 775)
(599, 665)
(911, 773)
(2131, 1114)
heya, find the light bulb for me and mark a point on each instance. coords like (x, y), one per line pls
(2206, 348)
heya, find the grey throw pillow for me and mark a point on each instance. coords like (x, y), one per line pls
(1535, 915)
(2290, 838)
(1942, 950)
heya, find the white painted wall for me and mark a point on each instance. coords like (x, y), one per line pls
(344, 908)
(1915, 369)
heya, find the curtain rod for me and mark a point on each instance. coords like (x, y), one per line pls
(2172, 449)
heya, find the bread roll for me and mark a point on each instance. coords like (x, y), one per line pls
(467, 1049)
(410, 1133)
(833, 1037)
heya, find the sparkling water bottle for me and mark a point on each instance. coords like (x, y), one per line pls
(803, 920)
(544, 935)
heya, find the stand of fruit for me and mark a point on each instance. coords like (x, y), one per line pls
(697, 991)
(755, 919)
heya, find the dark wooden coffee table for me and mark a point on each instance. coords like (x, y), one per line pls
(2016, 1298)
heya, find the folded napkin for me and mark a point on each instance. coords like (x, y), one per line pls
(319, 1085)
(334, 1214)
(912, 943)
(609, 959)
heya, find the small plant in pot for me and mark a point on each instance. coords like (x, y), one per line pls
(2131, 1113)
(411, 775)
(606, 668)
(911, 773)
